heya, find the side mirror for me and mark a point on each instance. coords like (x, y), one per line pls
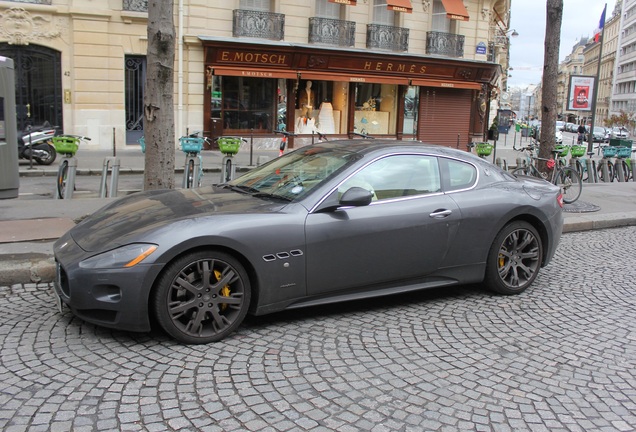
(356, 197)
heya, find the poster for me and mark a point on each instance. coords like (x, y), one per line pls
(580, 94)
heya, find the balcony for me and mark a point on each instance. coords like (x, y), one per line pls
(257, 24)
(135, 5)
(387, 37)
(446, 44)
(333, 32)
(40, 2)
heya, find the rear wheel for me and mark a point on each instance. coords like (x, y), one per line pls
(581, 170)
(47, 152)
(610, 171)
(570, 183)
(189, 173)
(202, 297)
(514, 259)
(626, 169)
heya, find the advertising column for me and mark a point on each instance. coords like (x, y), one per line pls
(9, 174)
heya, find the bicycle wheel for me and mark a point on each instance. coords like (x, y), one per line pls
(521, 171)
(582, 170)
(626, 169)
(570, 183)
(189, 173)
(228, 170)
(62, 173)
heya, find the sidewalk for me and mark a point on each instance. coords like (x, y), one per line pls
(28, 227)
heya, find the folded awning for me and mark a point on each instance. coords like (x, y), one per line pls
(344, 2)
(446, 84)
(455, 10)
(399, 5)
(376, 79)
(254, 72)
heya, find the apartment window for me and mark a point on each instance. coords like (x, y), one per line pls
(326, 9)
(382, 15)
(440, 21)
(257, 5)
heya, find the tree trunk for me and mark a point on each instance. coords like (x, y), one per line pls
(554, 15)
(159, 97)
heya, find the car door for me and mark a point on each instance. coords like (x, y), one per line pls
(402, 235)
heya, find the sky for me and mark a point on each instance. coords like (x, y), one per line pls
(527, 17)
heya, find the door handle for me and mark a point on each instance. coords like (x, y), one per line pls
(440, 214)
(28, 107)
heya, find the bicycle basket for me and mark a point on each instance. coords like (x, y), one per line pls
(577, 150)
(65, 144)
(229, 145)
(623, 152)
(563, 150)
(484, 149)
(142, 143)
(609, 151)
(191, 145)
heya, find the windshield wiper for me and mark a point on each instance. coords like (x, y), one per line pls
(240, 188)
(271, 195)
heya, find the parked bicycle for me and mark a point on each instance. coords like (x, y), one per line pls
(482, 149)
(618, 163)
(565, 177)
(580, 164)
(284, 140)
(67, 146)
(229, 146)
(192, 145)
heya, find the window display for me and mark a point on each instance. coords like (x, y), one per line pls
(376, 108)
(320, 105)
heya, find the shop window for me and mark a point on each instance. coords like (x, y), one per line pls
(411, 103)
(321, 106)
(376, 108)
(245, 104)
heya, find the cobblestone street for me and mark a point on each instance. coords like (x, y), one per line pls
(560, 357)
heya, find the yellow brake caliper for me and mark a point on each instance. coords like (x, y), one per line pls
(225, 291)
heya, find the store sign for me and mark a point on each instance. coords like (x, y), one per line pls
(254, 57)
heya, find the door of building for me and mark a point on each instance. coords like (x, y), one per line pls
(38, 84)
(135, 83)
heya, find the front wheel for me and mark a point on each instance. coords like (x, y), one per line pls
(610, 172)
(570, 183)
(62, 173)
(521, 171)
(202, 297)
(582, 170)
(189, 174)
(514, 259)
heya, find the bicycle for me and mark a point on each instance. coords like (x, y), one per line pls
(619, 167)
(67, 146)
(229, 146)
(566, 178)
(192, 145)
(283, 141)
(482, 149)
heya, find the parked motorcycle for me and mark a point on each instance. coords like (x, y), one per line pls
(36, 143)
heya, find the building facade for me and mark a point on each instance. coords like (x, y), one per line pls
(624, 89)
(392, 68)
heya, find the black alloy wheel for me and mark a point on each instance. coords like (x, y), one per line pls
(202, 297)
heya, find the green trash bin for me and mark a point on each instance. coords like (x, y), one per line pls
(617, 142)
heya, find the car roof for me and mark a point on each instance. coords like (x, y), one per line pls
(367, 146)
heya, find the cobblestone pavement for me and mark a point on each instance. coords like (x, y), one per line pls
(560, 357)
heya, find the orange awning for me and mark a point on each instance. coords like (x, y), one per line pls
(344, 2)
(254, 72)
(400, 5)
(456, 10)
(446, 84)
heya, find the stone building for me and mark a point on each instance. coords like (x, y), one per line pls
(402, 69)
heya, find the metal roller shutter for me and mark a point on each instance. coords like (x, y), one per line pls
(444, 114)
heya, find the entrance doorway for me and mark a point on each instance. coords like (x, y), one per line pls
(38, 84)
(135, 82)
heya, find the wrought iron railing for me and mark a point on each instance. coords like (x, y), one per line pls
(332, 32)
(446, 44)
(257, 24)
(387, 37)
(135, 5)
(41, 2)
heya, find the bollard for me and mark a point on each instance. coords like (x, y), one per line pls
(605, 170)
(114, 178)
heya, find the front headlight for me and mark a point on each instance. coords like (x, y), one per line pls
(125, 256)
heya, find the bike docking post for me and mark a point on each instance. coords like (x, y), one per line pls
(591, 169)
(195, 171)
(114, 178)
(228, 160)
(605, 170)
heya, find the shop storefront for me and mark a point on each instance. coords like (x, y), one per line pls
(259, 88)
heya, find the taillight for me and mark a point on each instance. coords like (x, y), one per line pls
(560, 200)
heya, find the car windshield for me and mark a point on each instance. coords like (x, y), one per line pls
(295, 174)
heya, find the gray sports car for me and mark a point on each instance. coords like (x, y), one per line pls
(326, 223)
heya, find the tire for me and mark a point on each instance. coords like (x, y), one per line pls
(570, 183)
(228, 170)
(224, 297)
(189, 174)
(582, 171)
(521, 171)
(62, 173)
(626, 170)
(610, 171)
(514, 259)
(49, 150)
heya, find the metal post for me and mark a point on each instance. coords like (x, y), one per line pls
(114, 144)
(633, 168)
(195, 171)
(251, 146)
(70, 178)
(619, 167)
(224, 173)
(605, 170)
(114, 179)
(30, 148)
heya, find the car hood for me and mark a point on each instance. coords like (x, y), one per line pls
(134, 217)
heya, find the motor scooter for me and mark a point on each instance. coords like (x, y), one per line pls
(36, 143)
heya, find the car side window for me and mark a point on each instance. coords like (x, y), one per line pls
(459, 175)
(397, 176)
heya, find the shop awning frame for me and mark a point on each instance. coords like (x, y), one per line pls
(446, 84)
(399, 6)
(254, 72)
(352, 77)
(344, 2)
(456, 10)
